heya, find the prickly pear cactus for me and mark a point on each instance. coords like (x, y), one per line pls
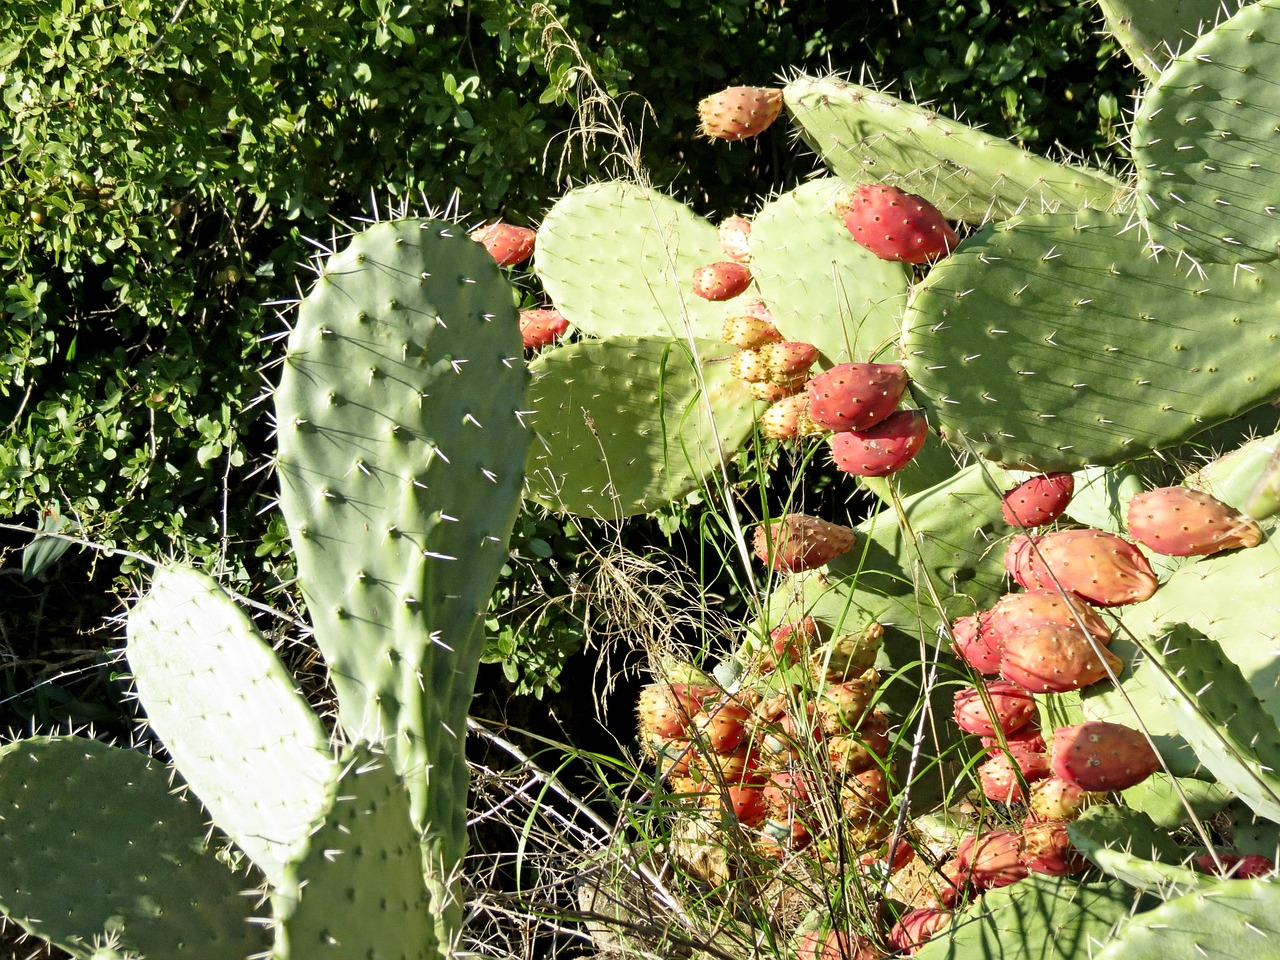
(1153, 32)
(401, 456)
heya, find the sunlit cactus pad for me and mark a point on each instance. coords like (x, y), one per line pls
(1058, 341)
(623, 424)
(865, 136)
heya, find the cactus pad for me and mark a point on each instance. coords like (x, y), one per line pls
(226, 709)
(1127, 845)
(1056, 342)
(95, 842)
(865, 136)
(821, 286)
(1204, 143)
(623, 425)
(1152, 32)
(617, 259)
(363, 893)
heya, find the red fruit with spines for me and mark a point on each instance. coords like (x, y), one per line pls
(969, 640)
(1012, 707)
(855, 396)
(666, 709)
(741, 765)
(1102, 756)
(1055, 658)
(788, 360)
(1236, 866)
(1024, 738)
(1181, 522)
(946, 886)
(864, 797)
(748, 325)
(999, 775)
(1038, 500)
(773, 392)
(842, 706)
(1056, 799)
(992, 860)
(721, 727)
(917, 927)
(785, 418)
(1018, 613)
(736, 113)
(722, 280)
(896, 225)
(800, 542)
(787, 737)
(1046, 848)
(508, 244)
(788, 643)
(674, 757)
(880, 450)
(877, 864)
(540, 328)
(735, 235)
(1100, 567)
(746, 802)
(852, 753)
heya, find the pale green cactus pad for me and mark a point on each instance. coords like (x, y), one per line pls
(1127, 845)
(866, 136)
(228, 712)
(617, 259)
(628, 424)
(96, 843)
(1153, 32)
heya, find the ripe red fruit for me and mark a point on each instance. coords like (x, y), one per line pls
(748, 324)
(1038, 500)
(786, 418)
(896, 225)
(800, 542)
(1181, 522)
(1012, 707)
(506, 243)
(970, 641)
(735, 232)
(738, 112)
(855, 396)
(1100, 567)
(991, 859)
(1235, 866)
(721, 281)
(1017, 613)
(1046, 848)
(789, 361)
(1100, 755)
(1056, 658)
(538, 328)
(880, 450)
(916, 927)
(999, 775)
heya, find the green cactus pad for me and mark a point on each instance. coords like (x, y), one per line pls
(96, 843)
(1204, 143)
(1039, 918)
(227, 711)
(867, 136)
(363, 893)
(401, 455)
(821, 286)
(623, 426)
(1152, 32)
(1055, 342)
(1230, 920)
(1235, 477)
(1127, 845)
(1170, 801)
(617, 259)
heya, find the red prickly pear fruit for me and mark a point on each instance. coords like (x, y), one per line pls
(1046, 848)
(1027, 737)
(968, 639)
(673, 759)
(666, 709)
(842, 706)
(916, 927)
(508, 244)
(785, 418)
(1181, 522)
(741, 765)
(1038, 500)
(880, 450)
(736, 113)
(748, 325)
(1102, 756)
(749, 365)
(1017, 613)
(992, 859)
(864, 797)
(1019, 556)
(745, 800)
(999, 775)
(896, 225)
(773, 392)
(800, 542)
(1056, 658)
(722, 727)
(1100, 567)
(723, 280)
(836, 945)
(947, 886)
(1236, 866)
(1056, 799)
(1012, 705)
(735, 232)
(788, 360)
(855, 396)
(789, 643)
(538, 328)
(876, 863)
(851, 753)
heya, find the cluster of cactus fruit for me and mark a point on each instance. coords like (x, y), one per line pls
(1072, 327)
